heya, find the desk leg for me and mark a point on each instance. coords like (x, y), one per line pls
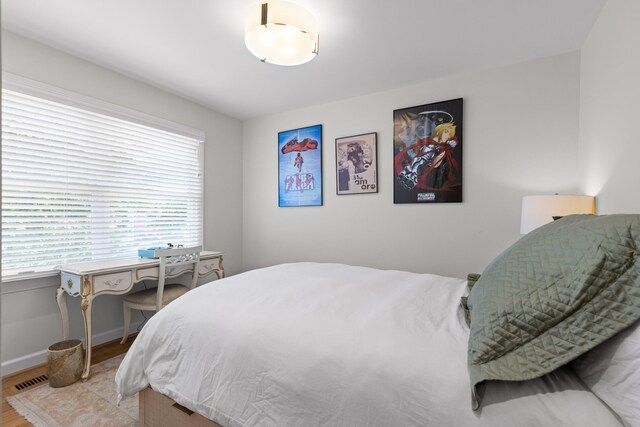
(220, 270)
(61, 297)
(87, 302)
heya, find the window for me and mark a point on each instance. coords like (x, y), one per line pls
(80, 185)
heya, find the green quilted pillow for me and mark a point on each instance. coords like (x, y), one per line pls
(555, 294)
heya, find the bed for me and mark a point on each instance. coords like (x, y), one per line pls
(314, 344)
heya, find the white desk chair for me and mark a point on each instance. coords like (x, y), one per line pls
(155, 298)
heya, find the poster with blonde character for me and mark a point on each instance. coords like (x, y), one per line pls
(427, 153)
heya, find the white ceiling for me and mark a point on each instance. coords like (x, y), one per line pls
(195, 48)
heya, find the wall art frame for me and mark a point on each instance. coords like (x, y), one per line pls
(427, 153)
(300, 167)
(357, 164)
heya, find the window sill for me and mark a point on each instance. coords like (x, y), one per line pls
(29, 281)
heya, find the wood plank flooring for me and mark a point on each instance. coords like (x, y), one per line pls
(10, 418)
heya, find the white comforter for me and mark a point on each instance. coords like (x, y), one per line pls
(334, 345)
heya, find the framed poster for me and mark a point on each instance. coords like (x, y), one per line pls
(427, 153)
(356, 164)
(300, 167)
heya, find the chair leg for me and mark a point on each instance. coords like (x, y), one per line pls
(127, 319)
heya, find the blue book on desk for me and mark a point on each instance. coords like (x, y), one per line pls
(149, 252)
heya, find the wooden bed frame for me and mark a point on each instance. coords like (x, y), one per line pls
(157, 410)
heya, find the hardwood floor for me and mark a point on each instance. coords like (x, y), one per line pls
(10, 418)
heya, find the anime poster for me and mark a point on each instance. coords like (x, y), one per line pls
(300, 167)
(427, 153)
(356, 164)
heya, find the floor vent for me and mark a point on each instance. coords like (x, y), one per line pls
(31, 382)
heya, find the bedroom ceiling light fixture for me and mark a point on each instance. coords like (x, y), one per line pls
(539, 210)
(281, 33)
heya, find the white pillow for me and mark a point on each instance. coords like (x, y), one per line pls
(612, 372)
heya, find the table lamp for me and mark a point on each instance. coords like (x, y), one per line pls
(539, 210)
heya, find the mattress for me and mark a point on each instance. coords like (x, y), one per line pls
(310, 344)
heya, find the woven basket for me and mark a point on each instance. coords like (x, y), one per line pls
(65, 361)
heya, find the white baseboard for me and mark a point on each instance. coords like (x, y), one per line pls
(40, 357)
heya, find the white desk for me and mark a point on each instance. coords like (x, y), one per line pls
(113, 277)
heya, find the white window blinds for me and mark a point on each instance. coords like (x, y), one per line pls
(80, 186)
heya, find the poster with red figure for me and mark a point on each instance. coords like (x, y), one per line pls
(300, 167)
(427, 153)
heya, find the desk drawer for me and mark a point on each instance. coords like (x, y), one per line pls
(112, 283)
(208, 266)
(150, 273)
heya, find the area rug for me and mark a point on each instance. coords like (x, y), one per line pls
(90, 403)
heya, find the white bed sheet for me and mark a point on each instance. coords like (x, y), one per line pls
(310, 344)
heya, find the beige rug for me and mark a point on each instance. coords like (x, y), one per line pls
(92, 403)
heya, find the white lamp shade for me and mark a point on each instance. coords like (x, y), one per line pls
(539, 210)
(281, 33)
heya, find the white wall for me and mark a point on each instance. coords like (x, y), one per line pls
(30, 319)
(520, 138)
(610, 109)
